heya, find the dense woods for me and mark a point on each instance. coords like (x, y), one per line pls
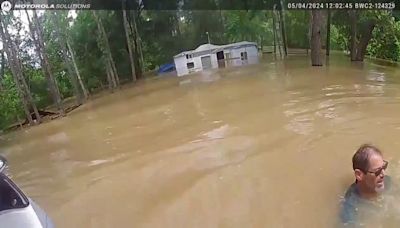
(50, 57)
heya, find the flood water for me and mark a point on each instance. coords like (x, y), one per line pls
(266, 145)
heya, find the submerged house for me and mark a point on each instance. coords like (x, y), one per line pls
(208, 56)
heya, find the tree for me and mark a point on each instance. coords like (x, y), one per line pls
(37, 37)
(385, 41)
(105, 47)
(362, 25)
(16, 68)
(247, 25)
(78, 75)
(358, 27)
(137, 44)
(328, 32)
(353, 34)
(316, 59)
(274, 31)
(128, 32)
(2, 69)
(67, 62)
(283, 29)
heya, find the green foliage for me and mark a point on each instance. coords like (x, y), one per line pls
(248, 25)
(38, 87)
(339, 41)
(385, 37)
(10, 106)
(163, 36)
(297, 27)
(385, 43)
(83, 35)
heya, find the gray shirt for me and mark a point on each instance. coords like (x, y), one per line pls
(353, 202)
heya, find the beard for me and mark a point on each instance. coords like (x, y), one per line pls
(380, 187)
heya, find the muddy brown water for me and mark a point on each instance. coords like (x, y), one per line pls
(265, 145)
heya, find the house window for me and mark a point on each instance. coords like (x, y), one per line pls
(243, 55)
(190, 65)
(189, 56)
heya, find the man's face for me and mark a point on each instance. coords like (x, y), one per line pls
(372, 182)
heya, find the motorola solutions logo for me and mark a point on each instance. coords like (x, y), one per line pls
(6, 6)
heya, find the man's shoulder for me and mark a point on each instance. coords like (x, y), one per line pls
(352, 200)
(349, 204)
(351, 191)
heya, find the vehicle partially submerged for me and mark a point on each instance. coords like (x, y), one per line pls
(16, 209)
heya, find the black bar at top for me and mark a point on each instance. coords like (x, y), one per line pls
(199, 4)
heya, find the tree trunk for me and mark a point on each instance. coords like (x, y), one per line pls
(137, 45)
(16, 69)
(353, 35)
(113, 76)
(308, 34)
(283, 30)
(67, 62)
(39, 42)
(78, 75)
(128, 43)
(277, 26)
(274, 31)
(106, 47)
(328, 33)
(2, 69)
(364, 40)
(138, 68)
(109, 80)
(358, 47)
(20, 89)
(316, 59)
(25, 87)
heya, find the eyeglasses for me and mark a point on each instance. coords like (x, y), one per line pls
(379, 171)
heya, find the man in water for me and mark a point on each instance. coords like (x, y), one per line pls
(363, 195)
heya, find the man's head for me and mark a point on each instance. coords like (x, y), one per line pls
(369, 169)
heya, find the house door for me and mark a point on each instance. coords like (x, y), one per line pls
(206, 62)
(221, 59)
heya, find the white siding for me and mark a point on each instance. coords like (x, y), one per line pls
(235, 55)
(228, 57)
(197, 64)
(252, 54)
(214, 61)
(234, 59)
(180, 65)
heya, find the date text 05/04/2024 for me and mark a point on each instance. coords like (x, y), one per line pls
(342, 5)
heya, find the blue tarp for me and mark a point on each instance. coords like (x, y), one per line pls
(166, 68)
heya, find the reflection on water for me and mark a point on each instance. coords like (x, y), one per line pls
(266, 145)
